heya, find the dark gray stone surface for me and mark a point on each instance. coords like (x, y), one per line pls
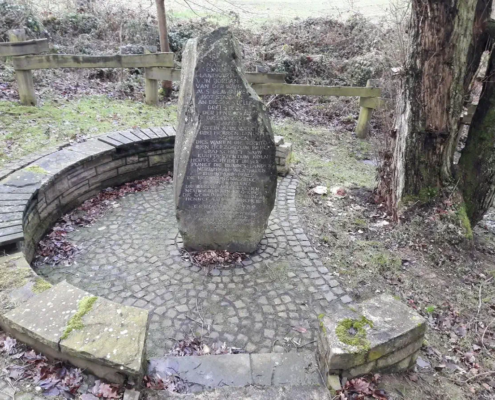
(209, 372)
(249, 393)
(254, 306)
(225, 171)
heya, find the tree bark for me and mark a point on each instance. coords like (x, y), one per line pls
(476, 169)
(443, 57)
(164, 45)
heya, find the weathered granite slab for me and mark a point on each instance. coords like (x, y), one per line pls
(206, 371)
(374, 335)
(225, 175)
(281, 369)
(18, 282)
(296, 369)
(91, 332)
(91, 147)
(248, 393)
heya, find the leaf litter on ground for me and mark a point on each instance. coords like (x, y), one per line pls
(54, 378)
(55, 248)
(214, 258)
(365, 387)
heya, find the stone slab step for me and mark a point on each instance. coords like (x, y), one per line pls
(238, 370)
(67, 323)
(250, 393)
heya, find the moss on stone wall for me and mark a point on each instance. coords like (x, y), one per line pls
(85, 306)
(36, 169)
(353, 332)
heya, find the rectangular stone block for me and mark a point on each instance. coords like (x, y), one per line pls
(92, 147)
(74, 193)
(97, 180)
(384, 331)
(161, 158)
(398, 355)
(109, 166)
(207, 371)
(58, 188)
(133, 167)
(81, 175)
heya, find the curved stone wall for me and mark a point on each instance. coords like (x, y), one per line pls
(33, 196)
(72, 175)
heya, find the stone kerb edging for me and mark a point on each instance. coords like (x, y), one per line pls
(63, 321)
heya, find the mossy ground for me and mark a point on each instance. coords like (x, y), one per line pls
(331, 159)
(24, 130)
(76, 321)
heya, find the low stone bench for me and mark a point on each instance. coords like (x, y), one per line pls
(34, 193)
(377, 335)
(67, 323)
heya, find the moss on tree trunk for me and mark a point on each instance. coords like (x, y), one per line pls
(476, 169)
(446, 45)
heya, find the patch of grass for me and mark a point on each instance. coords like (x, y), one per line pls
(333, 165)
(385, 262)
(76, 323)
(430, 309)
(13, 276)
(24, 130)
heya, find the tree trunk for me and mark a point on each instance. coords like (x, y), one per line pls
(476, 169)
(164, 45)
(443, 56)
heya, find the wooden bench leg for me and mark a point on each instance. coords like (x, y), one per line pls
(151, 92)
(363, 124)
(25, 83)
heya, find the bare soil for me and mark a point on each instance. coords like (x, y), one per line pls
(426, 261)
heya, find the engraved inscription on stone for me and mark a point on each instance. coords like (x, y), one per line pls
(225, 172)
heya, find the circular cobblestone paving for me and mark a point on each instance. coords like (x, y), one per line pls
(132, 255)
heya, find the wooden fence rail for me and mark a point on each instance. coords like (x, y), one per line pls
(159, 67)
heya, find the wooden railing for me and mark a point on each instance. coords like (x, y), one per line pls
(160, 67)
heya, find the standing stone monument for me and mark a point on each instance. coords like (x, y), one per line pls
(225, 175)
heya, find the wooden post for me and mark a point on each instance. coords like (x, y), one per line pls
(24, 78)
(151, 91)
(363, 124)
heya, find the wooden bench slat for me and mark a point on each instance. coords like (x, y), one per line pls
(73, 61)
(313, 90)
(173, 74)
(11, 49)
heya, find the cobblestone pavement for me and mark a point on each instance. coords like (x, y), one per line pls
(132, 256)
